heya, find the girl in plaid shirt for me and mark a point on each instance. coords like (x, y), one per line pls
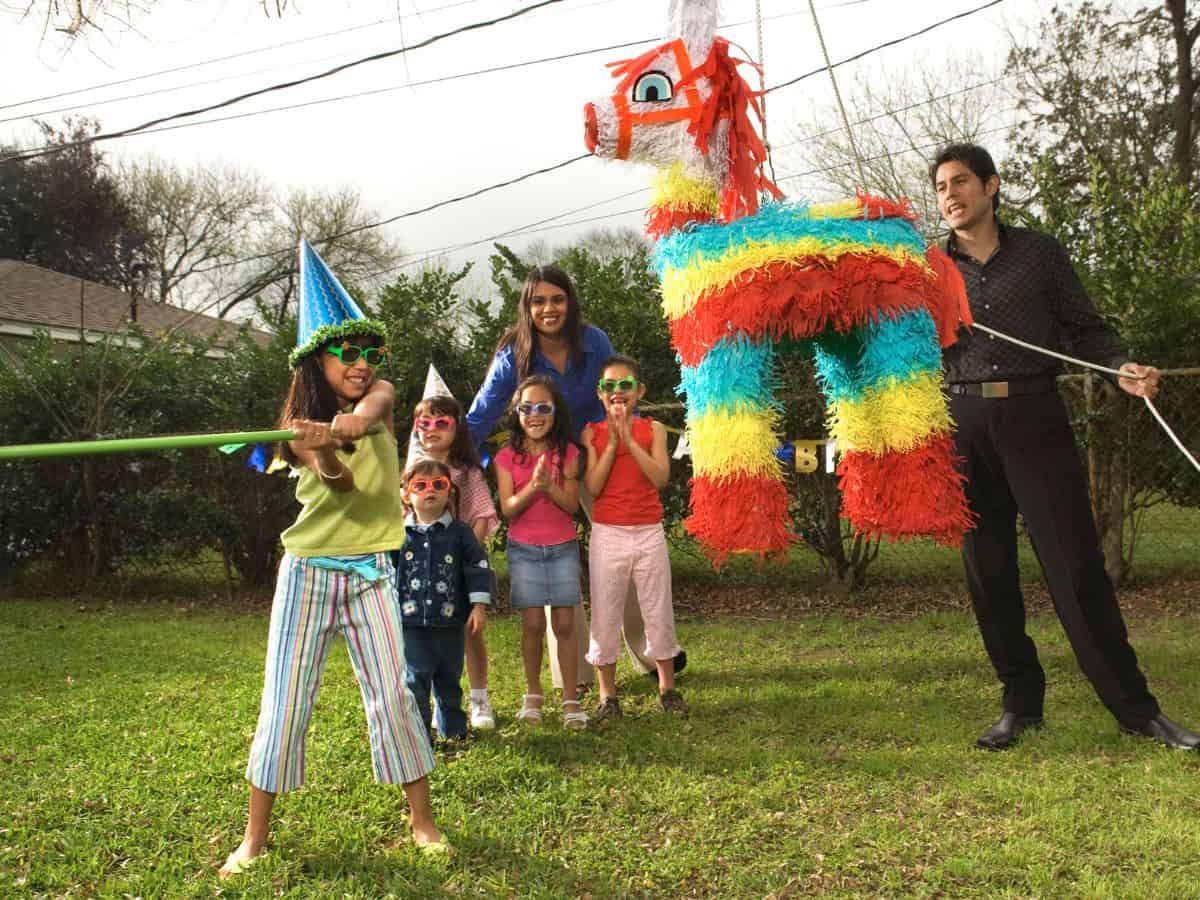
(443, 436)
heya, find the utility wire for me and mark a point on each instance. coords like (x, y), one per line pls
(531, 228)
(563, 164)
(355, 94)
(891, 43)
(267, 49)
(375, 57)
(209, 62)
(413, 212)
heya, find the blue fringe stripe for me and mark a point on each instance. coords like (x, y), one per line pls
(890, 348)
(735, 373)
(781, 222)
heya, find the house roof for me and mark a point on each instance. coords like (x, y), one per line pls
(34, 297)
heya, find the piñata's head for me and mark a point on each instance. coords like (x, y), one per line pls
(684, 108)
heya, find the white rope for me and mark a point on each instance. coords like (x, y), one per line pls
(862, 175)
(1089, 365)
(1036, 349)
(762, 86)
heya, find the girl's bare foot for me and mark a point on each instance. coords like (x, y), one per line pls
(240, 860)
(426, 834)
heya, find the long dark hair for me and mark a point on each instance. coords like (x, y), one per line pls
(462, 450)
(432, 468)
(311, 397)
(558, 438)
(523, 336)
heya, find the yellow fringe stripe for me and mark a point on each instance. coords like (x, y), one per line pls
(897, 417)
(838, 209)
(676, 190)
(682, 288)
(738, 443)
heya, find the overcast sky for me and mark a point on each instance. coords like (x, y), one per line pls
(412, 144)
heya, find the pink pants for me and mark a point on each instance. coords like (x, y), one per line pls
(619, 554)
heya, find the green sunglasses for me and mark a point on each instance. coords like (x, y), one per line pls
(349, 354)
(612, 385)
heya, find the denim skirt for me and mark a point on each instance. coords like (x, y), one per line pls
(543, 575)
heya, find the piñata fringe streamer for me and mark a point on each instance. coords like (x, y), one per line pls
(906, 495)
(737, 375)
(675, 188)
(741, 514)
(725, 444)
(784, 223)
(896, 417)
(794, 302)
(893, 348)
(684, 288)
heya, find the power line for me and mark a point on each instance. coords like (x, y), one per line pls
(266, 49)
(375, 57)
(522, 230)
(209, 62)
(414, 212)
(570, 161)
(530, 229)
(383, 90)
(887, 43)
(356, 94)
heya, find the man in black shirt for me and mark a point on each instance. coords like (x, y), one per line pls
(1018, 455)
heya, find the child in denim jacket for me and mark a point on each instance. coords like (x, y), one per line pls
(443, 581)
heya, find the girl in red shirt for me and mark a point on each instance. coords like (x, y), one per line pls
(627, 467)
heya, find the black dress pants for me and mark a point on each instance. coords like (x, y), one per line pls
(1018, 454)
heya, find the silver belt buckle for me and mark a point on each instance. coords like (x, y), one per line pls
(993, 390)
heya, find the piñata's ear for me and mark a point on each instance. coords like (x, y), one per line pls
(696, 22)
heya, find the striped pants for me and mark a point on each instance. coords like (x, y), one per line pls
(311, 605)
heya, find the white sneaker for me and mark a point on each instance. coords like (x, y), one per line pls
(482, 716)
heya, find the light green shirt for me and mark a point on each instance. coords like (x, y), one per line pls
(368, 519)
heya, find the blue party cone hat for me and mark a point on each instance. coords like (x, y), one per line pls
(327, 310)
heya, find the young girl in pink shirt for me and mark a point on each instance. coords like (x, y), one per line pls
(537, 474)
(627, 466)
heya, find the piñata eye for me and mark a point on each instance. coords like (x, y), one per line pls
(653, 87)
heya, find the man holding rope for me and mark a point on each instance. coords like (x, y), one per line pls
(1018, 455)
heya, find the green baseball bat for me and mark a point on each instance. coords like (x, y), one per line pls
(234, 439)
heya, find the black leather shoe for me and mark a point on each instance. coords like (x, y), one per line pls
(1007, 730)
(1167, 732)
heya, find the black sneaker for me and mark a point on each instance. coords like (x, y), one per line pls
(672, 702)
(609, 708)
(678, 662)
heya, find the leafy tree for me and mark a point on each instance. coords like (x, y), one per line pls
(430, 322)
(95, 514)
(1138, 248)
(66, 210)
(1101, 86)
(1106, 155)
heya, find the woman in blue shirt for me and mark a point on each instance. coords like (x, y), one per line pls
(551, 338)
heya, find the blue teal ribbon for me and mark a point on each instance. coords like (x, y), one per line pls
(363, 566)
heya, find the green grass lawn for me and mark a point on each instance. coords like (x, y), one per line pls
(824, 756)
(1168, 544)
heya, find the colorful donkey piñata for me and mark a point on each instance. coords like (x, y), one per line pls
(739, 278)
